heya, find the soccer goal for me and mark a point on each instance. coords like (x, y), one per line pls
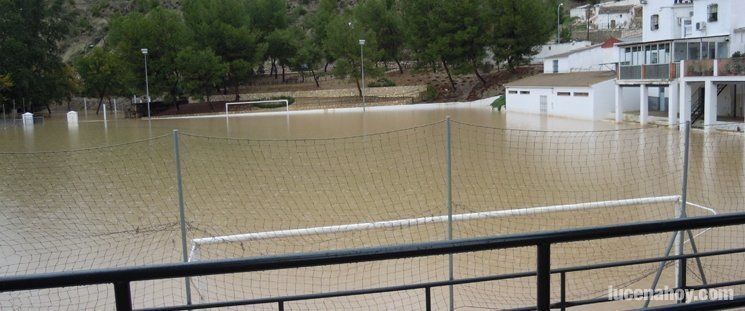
(196, 244)
(216, 247)
(251, 104)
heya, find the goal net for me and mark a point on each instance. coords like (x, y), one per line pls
(117, 206)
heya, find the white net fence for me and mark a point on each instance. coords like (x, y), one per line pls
(117, 206)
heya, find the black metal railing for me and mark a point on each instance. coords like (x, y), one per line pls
(121, 278)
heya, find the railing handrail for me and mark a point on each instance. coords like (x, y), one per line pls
(290, 261)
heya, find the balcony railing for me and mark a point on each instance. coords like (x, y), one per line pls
(648, 72)
(725, 67)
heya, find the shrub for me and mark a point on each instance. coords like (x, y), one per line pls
(499, 103)
(290, 100)
(429, 94)
(382, 82)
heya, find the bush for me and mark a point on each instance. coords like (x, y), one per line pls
(382, 82)
(430, 94)
(290, 100)
(499, 103)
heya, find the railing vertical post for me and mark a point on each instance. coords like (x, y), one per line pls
(543, 277)
(281, 306)
(181, 211)
(563, 291)
(427, 299)
(449, 167)
(123, 296)
(680, 281)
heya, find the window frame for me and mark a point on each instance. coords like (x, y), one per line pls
(712, 13)
(654, 22)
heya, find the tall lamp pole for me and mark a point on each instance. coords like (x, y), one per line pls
(147, 84)
(362, 65)
(558, 22)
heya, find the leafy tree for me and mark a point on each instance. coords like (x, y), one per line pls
(450, 32)
(283, 44)
(225, 27)
(318, 23)
(518, 26)
(268, 17)
(382, 16)
(342, 41)
(308, 57)
(164, 33)
(6, 83)
(30, 31)
(202, 71)
(103, 74)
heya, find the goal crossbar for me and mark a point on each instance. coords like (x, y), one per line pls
(227, 105)
(196, 243)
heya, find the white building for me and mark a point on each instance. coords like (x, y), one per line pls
(598, 57)
(549, 50)
(614, 17)
(581, 95)
(685, 57)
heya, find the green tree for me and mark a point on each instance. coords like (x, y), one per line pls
(103, 74)
(343, 35)
(283, 44)
(268, 17)
(164, 33)
(383, 18)
(318, 24)
(225, 27)
(30, 32)
(202, 71)
(518, 26)
(308, 57)
(6, 83)
(450, 32)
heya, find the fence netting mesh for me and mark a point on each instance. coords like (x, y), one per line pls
(117, 206)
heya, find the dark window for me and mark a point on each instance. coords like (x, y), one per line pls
(563, 93)
(581, 94)
(525, 92)
(713, 12)
(512, 92)
(655, 22)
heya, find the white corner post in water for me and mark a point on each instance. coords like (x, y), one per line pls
(72, 118)
(27, 119)
(104, 113)
(85, 107)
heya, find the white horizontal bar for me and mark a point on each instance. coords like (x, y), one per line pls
(433, 219)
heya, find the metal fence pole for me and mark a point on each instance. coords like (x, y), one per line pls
(123, 296)
(680, 281)
(449, 167)
(543, 277)
(181, 210)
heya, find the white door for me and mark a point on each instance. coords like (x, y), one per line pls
(544, 104)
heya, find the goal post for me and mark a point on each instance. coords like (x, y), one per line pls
(285, 101)
(198, 242)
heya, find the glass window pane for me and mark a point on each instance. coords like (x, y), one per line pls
(704, 50)
(680, 51)
(723, 50)
(694, 50)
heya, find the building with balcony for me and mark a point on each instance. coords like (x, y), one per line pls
(684, 69)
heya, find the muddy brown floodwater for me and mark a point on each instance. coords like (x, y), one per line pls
(104, 195)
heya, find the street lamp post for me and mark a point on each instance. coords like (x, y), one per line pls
(362, 67)
(558, 22)
(147, 84)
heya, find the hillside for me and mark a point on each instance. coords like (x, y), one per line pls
(94, 17)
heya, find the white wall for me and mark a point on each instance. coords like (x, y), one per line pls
(603, 98)
(669, 14)
(549, 50)
(605, 21)
(586, 60)
(596, 106)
